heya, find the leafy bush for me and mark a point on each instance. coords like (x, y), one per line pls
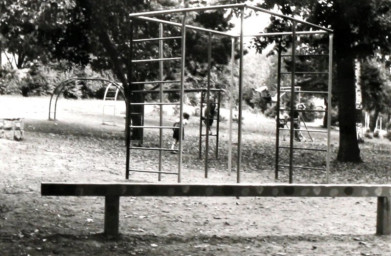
(34, 83)
(8, 85)
(43, 79)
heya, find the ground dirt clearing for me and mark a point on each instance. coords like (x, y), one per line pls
(78, 148)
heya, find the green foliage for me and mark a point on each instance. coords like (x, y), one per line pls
(361, 28)
(27, 82)
(375, 86)
(35, 83)
(376, 89)
(27, 28)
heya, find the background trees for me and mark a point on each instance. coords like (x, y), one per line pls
(360, 27)
(97, 33)
(376, 90)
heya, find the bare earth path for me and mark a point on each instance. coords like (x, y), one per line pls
(87, 151)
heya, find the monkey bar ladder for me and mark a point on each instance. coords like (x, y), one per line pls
(240, 38)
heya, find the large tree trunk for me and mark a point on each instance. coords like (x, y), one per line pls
(346, 91)
(348, 144)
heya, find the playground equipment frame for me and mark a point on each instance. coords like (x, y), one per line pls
(59, 89)
(242, 7)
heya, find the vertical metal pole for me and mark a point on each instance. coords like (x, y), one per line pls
(201, 126)
(293, 100)
(183, 54)
(330, 87)
(55, 106)
(278, 111)
(128, 106)
(218, 123)
(161, 66)
(239, 160)
(230, 105)
(208, 103)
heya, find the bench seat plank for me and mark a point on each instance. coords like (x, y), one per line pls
(113, 191)
(210, 190)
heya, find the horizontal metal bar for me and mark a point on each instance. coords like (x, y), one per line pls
(156, 103)
(310, 149)
(156, 39)
(152, 149)
(289, 87)
(152, 13)
(182, 10)
(285, 33)
(216, 190)
(187, 26)
(153, 60)
(313, 92)
(303, 130)
(174, 173)
(302, 167)
(303, 73)
(304, 110)
(157, 82)
(177, 90)
(301, 91)
(153, 127)
(288, 17)
(305, 55)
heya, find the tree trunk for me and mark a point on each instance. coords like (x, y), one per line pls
(137, 114)
(348, 144)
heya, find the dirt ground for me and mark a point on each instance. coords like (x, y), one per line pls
(78, 148)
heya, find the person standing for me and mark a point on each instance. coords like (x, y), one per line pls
(176, 129)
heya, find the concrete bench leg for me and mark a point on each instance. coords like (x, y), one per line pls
(111, 216)
(383, 223)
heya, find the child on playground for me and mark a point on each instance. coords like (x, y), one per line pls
(285, 119)
(175, 134)
(209, 114)
(296, 125)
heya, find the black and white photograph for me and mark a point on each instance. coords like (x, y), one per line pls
(195, 127)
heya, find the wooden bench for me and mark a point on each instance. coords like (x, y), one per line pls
(12, 128)
(113, 191)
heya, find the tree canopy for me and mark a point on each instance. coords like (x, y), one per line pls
(376, 89)
(361, 28)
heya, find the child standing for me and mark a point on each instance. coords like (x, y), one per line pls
(209, 114)
(175, 134)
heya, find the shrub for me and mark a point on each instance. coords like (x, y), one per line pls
(34, 83)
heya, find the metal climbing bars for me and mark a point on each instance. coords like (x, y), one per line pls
(137, 90)
(288, 154)
(63, 85)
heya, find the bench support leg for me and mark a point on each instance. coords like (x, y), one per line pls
(383, 222)
(111, 216)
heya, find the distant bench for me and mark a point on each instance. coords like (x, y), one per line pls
(12, 128)
(113, 191)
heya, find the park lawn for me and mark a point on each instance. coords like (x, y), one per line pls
(78, 148)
